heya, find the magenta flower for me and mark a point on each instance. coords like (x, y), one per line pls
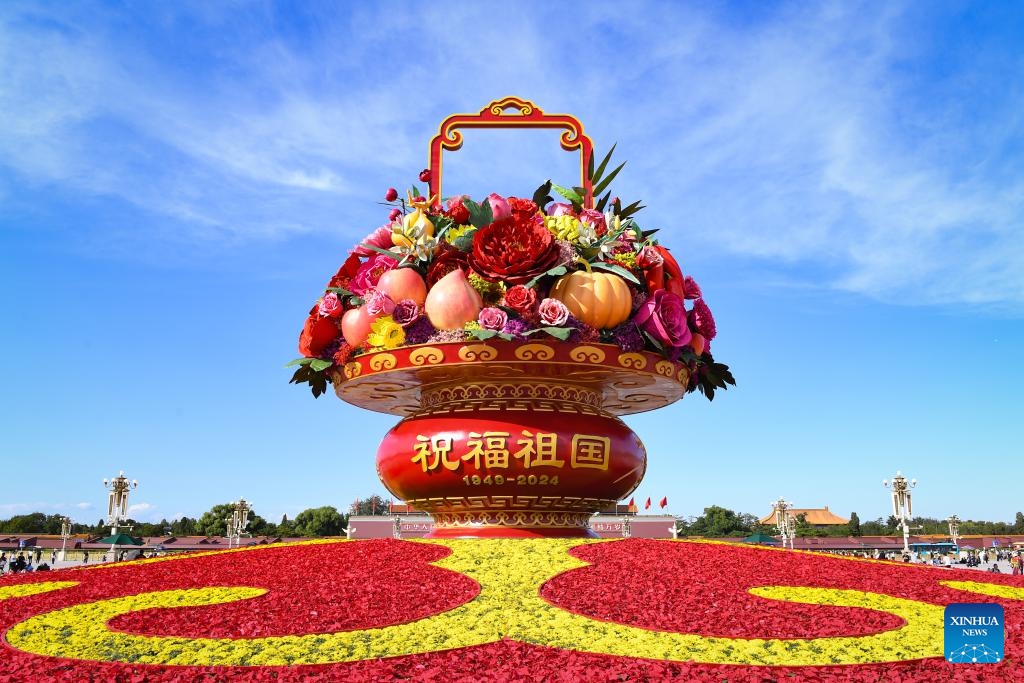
(703, 320)
(560, 209)
(369, 273)
(690, 288)
(492, 318)
(663, 316)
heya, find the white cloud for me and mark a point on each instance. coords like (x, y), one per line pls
(811, 134)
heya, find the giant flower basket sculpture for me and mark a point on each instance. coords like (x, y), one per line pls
(511, 334)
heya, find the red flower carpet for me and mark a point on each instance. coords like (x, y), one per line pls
(559, 610)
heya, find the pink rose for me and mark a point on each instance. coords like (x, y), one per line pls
(499, 207)
(559, 209)
(521, 299)
(369, 273)
(379, 303)
(380, 238)
(492, 318)
(595, 218)
(663, 316)
(406, 312)
(553, 312)
(330, 306)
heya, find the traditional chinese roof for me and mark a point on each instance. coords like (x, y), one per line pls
(815, 516)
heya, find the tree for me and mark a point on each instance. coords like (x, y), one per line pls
(717, 522)
(374, 505)
(321, 521)
(285, 528)
(854, 525)
(1018, 523)
(214, 521)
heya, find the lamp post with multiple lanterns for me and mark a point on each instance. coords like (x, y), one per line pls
(117, 504)
(954, 530)
(238, 521)
(901, 505)
(784, 521)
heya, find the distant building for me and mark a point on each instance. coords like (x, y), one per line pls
(821, 518)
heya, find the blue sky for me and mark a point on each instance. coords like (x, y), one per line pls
(179, 180)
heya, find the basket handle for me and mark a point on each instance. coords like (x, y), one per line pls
(528, 116)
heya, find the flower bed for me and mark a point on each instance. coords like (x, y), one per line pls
(496, 609)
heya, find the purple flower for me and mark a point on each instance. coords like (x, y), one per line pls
(553, 312)
(492, 318)
(627, 337)
(516, 327)
(406, 312)
(420, 331)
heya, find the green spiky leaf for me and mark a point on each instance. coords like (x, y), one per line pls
(617, 269)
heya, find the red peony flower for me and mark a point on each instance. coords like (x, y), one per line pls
(525, 210)
(513, 250)
(316, 335)
(347, 271)
(447, 259)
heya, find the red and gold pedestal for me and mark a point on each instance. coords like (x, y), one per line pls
(511, 439)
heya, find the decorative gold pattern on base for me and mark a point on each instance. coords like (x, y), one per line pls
(508, 392)
(520, 519)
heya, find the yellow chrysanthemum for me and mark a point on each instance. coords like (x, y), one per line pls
(385, 333)
(456, 231)
(473, 325)
(564, 227)
(626, 260)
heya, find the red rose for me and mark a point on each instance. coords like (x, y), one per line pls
(316, 335)
(521, 299)
(513, 250)
(447, 259)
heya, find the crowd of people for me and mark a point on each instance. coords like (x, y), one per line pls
(32, 560)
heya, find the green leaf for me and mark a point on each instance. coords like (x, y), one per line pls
(631, 209)
(557, 270)
(568, 193)
(617, 269)
(603, 185)
(482, 334)
(416, 192)
(355, 301)
(595, 176)
(557, 332)
(378, 250)
(541, 196)
(299, 361)
(464, 242)
(319, 364)
(479, 214)
(340, 291)
(654, 342)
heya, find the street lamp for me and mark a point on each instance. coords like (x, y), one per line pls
(901, 505)
(65, 533)
(784, 521)
(117, 504)
(954, 531)
(238, 521)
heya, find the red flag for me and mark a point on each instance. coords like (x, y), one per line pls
(632, 503)
(664, 501)
(647, 505)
